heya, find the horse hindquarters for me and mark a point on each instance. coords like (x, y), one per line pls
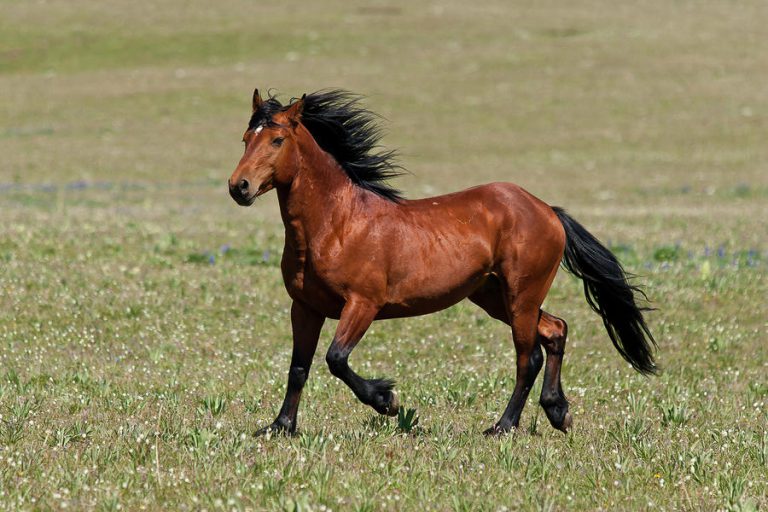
(528, 259)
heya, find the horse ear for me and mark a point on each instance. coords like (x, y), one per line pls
(257, 101)
(294, 111)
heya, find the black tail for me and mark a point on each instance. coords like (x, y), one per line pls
(609, 293)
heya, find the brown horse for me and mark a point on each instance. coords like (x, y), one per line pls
(356, 251)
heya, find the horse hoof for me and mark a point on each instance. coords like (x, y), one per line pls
(394, 405)
(567, 422)
(496, 431)
(273, 430)
(268, 430)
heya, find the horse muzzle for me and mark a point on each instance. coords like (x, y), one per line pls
(241, 192)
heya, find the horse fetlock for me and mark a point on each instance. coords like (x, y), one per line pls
(551, 398)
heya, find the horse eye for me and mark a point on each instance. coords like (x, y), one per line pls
(277, 141)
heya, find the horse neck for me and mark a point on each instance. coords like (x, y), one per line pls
(318, 193)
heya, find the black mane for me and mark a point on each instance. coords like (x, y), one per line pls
(347, 131)
(265, 112)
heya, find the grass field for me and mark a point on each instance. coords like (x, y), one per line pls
(144, 329)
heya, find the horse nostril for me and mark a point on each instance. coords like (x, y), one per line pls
(244, 186)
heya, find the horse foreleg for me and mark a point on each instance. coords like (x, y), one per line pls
(552, 335)
(306, 325)
(356, 317)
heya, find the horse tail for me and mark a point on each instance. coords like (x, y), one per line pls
(609, 293)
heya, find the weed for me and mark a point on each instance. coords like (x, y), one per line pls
(407, 420)
(675, 414)
(214, 405)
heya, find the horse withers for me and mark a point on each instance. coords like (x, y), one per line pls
(357, 251)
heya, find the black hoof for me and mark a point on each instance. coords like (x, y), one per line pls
(385, 400)
(276, 428)
(497, 431)
(559, 417)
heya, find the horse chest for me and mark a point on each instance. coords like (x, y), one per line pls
(294, 256)
(293, 266)
(303, 283)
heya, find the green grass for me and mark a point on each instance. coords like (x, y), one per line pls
(144, 331)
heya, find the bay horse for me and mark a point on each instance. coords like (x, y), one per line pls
(357, 251)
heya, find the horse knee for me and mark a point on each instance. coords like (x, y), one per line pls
(336, 360)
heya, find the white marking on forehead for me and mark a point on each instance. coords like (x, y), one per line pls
(258, 129)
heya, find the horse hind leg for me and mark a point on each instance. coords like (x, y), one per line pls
(529, 362)
(491, 298)
(552, 333)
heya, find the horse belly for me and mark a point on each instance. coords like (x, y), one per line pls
(436, 289)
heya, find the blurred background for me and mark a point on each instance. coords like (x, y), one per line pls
(659, 105)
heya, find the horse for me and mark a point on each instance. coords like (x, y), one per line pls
(357, 251)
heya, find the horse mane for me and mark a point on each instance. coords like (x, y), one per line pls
(349, 133)
(265, 112)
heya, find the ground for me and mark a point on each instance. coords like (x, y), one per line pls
(144, 329)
